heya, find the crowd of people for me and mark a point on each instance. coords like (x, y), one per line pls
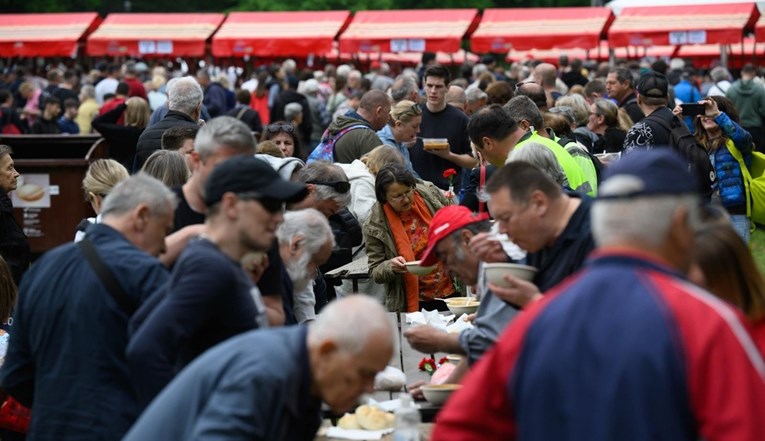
(194, 304)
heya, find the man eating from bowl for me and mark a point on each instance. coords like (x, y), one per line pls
(451, 230)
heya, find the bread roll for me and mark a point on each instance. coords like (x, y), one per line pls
(30, 192)
(371, 418)
(348, 422)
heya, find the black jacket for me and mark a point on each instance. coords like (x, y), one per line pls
(122, 139)
(151, 138)
(14, 246)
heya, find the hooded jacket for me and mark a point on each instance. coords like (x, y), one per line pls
(749, 99)
(355, 143)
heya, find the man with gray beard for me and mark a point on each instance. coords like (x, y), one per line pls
(305, 243)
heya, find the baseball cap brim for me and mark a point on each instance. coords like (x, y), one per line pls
(286, 191)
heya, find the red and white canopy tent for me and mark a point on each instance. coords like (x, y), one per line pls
(599, 54)
(276, 34)
(160, 34)
(45, 35)
(502, 30)
(682, 25)
(705, 55)
(420, 30)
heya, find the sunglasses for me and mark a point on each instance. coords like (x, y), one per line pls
(280, 127)
(271, 205)
(341, 187)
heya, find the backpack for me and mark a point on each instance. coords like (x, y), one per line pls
(325, 151)
(680, 139)
(754, 183)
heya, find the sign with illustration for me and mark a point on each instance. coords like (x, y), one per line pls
(32, 190)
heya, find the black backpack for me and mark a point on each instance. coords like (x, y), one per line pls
(681, 139)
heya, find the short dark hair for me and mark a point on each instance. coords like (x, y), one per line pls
(594, 86)
(623, 75)
(522, 107)
(522, 179)
(499, 92)
(243, 96)
(71, 102)
(113, 68)
(69, 74)
(391, 174)
(4, 95)
(437, 71)
(51, 100)
(490, 121)
(123, 88)
(174, 137)
(749, 69)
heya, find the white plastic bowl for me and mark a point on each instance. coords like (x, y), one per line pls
(495, 272)
(462, 305)
(454, 359)
(437, 394)
(415, 268)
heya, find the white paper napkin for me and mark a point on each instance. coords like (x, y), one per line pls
(432, 318)
(336, 432)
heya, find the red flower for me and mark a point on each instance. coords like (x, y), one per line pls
(428, 365)
(443, 361)
(449, 172)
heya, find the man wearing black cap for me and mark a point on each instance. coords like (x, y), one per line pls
(210, 297)
(652, 100)
(661, 128)
(626, 348)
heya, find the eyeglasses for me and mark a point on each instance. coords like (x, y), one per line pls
(341, 187)
(280, 127)
(271, 205)
(407, 194)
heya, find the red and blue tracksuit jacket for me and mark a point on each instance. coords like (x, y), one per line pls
(624, 350)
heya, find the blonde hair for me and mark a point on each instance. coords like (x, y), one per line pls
(625, 122)
(381, 156)
(269, 148)
(102, 176)
(169, 166)
(404, 111)
(8, 291)
(26, 87)
(137, 112)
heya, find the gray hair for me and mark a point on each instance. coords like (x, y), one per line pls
(136, 190)
(474, 94)
(289, 65)
(88, 91)
(224, 132)
(578, 105)
(522, 107)
(402, 87)
(169, 166)
(184, 95)
(478, 69)
(351, 322)
(309, 224)
(616, 221)
(292, 110)
(542, 157)
(719, 73)
(323, 171)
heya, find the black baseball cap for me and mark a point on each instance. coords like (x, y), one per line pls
(246, 174)
(653, 85)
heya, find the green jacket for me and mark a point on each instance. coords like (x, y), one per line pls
(576, 178)
(749, 99)
(381, 247)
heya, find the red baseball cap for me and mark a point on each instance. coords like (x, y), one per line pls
(446, 221)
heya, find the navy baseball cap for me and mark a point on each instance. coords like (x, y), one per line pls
(247, 174)
(658, 171)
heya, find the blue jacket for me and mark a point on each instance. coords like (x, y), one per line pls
(66, 355)
(730, 180)
(256, 386)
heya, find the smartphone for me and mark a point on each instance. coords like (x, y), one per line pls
(692, 109)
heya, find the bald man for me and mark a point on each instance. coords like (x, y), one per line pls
(270, 384)
(545, 75)
(455, 97)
